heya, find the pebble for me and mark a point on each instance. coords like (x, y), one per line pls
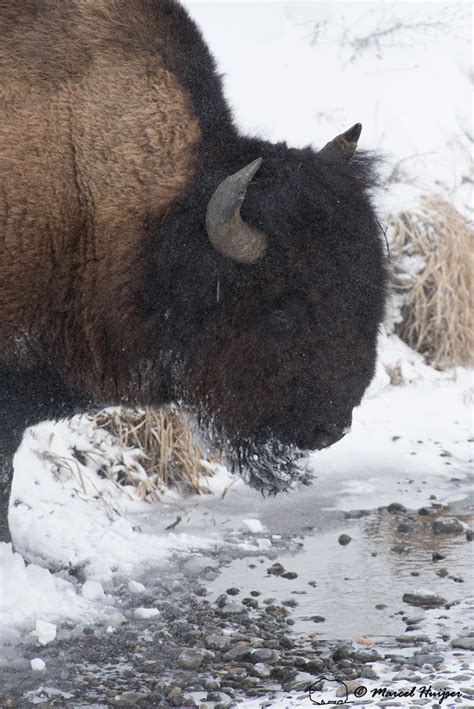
(424, 599)
(396, 507)
(436, 556)
(262, 670)
(344, 539)
(404, 528)
(447, 525)
(290, 575)
(232, 609)
(216, 642)
(233, 591)
(263, 654)
(238, 652)
(470, 535)
(318, 618)
(463, 642)
(191, 659)
(276, 569)
(421, 659)
(424, 511)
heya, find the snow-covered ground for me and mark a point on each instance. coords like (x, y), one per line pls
(299, 71)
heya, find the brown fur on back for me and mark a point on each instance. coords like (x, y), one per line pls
(96, 135)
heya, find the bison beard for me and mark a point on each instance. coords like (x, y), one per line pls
(270, 467)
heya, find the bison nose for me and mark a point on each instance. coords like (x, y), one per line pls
(328, 435)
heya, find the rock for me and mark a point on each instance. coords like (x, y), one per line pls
(233, 591)
(191, 659)
(131, 699)
(238, 652)
(424, 599)
(366, 656)
(264, 654)
(290, 575)
(342, 652)
(395, 507)
(368, 673)
(216, 642)
(470, 535)
(414, 619)
(344, 539)
(463, 642)
(221, 600)
(318, 618)
(223, 699)
(424, 511)
(436, 556)
(232, 609)
(351, 685)
(255, 593)
(276, 569)
(262, 670)
(250, 602)
(404, 528)
(412, 639)
(425, 658)
(447, 525)
(442, 573)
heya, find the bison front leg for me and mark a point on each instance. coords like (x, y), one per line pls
(8, 446)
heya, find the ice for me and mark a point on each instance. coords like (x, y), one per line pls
(38, 665)
(253, 525)
(45, 631)
(146, 613)
(135, 587)
(93, 590)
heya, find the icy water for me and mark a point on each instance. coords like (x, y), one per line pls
(358, 588)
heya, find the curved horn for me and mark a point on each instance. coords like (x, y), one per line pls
(343, 145)
(227, 231)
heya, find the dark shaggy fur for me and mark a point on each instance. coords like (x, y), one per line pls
(114, 133)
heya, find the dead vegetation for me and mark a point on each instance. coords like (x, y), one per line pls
(436, 241)
(169, 455)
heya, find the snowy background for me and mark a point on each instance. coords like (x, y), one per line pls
(300, 72)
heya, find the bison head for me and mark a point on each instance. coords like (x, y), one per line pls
(270, 289)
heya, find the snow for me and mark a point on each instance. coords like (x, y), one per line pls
(45, 631)
(146, 613)
(136, 587)
(93, 590)
(253, 525)
(38, 665)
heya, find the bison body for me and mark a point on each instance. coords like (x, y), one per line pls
(150, 253)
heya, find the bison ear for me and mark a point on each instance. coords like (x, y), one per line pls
(343, 145)
(227, 231)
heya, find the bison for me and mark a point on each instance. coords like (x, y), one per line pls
(152, 253)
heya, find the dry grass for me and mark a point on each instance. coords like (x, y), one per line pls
(438, 314)
(171, 458)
